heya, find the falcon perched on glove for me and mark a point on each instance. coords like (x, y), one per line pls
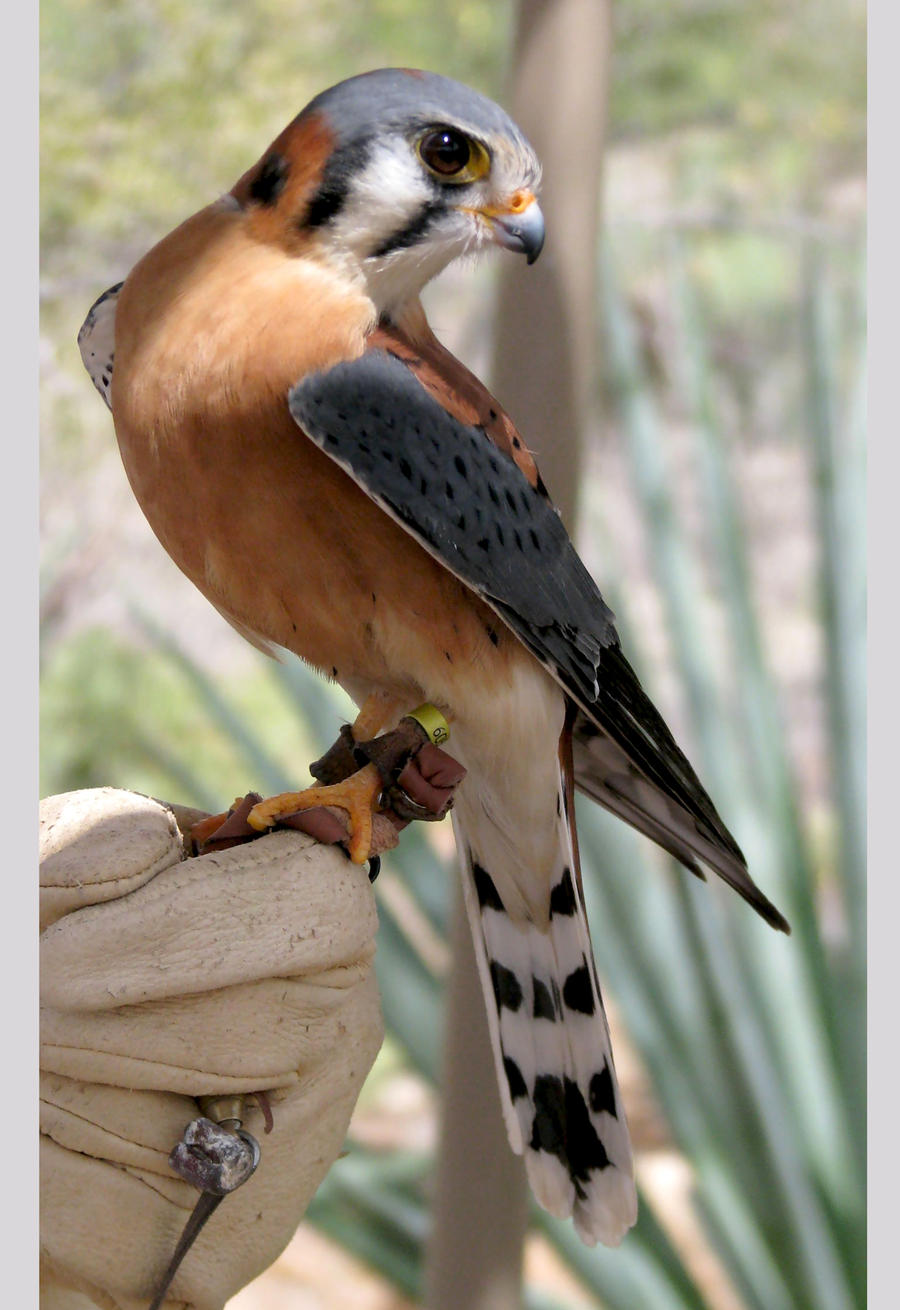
(337, 483)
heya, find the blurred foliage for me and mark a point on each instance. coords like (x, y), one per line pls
(778, 86)
(150, 106)
(146, 714)
(733, 329)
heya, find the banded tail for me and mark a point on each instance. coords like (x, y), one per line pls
(551, 1042)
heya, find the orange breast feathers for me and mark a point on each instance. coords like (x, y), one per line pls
(213, 329)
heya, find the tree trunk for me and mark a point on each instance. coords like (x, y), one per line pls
(545, 361)
(480, 1209)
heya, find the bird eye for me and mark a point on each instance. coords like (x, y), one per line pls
(444, 151)
(451, 156)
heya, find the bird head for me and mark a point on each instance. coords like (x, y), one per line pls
(393, 174)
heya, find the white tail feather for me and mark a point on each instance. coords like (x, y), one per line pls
(551, 1045)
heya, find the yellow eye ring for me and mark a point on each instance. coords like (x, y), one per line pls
(451, 156)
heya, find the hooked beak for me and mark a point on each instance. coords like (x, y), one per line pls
(518, 225)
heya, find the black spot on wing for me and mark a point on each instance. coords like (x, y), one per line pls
(577, 991)
(464, 499)
(562, 898)
(504, 539)
(602, 1092)
(488, 896)
(507, 989)
(514, 1079)
(543, 1001)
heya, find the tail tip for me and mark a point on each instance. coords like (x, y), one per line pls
(602, 1209)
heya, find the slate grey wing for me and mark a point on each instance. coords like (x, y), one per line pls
(465, 501)
(469, 504)
(604, 772)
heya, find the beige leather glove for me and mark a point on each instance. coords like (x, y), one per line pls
(164, 979)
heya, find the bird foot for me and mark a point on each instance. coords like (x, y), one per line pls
(419, 778)
(358, 795)
(366, 793)
(326, 824)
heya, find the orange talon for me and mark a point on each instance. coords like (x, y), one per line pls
(358, 795)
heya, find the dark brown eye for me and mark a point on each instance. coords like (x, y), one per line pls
(453, 157)
(444, 151)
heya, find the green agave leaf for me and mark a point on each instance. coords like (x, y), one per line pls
(373, 1206)
(804, 1031)
(411, 997)
(429, 878)
(361, 1207)
(838, 466)
(644, 1271)
(186, 782)
(735, 1033)
(837, 449)
(320, 706)
(268, 774)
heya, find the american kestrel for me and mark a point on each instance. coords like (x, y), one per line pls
(337, 483)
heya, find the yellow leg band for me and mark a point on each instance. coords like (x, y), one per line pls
(434, 723)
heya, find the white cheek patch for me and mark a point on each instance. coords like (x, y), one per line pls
(391, 236)
(389, 193)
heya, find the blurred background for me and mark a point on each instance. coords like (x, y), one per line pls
(687, 361)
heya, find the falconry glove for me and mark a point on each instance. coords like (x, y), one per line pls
(165, 979)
